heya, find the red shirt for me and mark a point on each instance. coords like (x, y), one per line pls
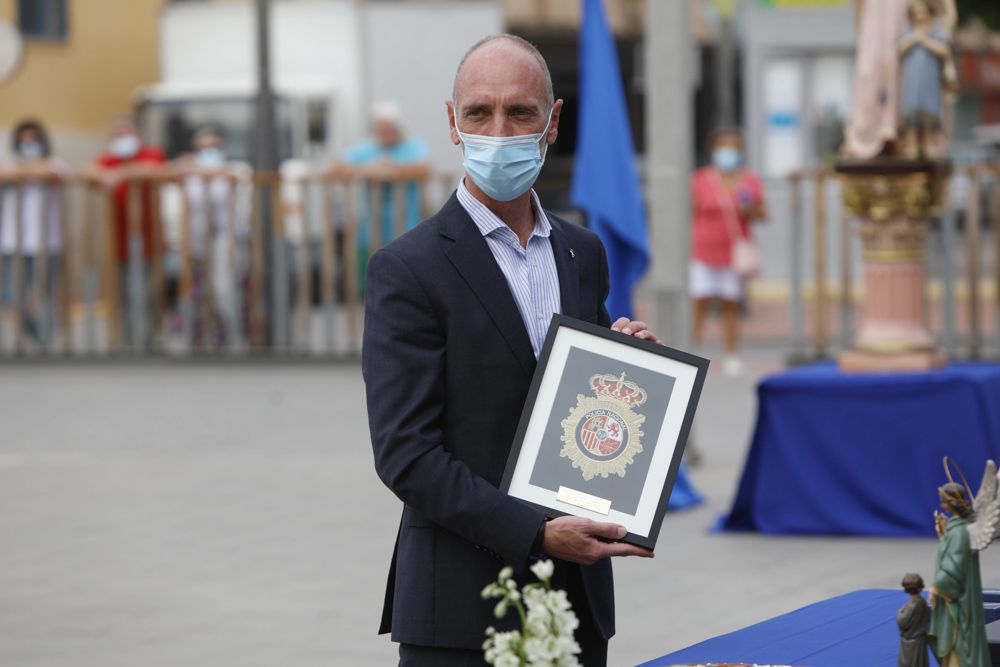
(146, 155)
(711, 239)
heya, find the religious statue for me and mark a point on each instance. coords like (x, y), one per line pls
(875, 113)
(958, 630)
(894, 173)
(913, 620)
(928, 73)
(884, 72)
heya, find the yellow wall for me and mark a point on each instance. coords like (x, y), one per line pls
(78, 85)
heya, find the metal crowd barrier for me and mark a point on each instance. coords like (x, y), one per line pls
(959, 294)
(231, 262)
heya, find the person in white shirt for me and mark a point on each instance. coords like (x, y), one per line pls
(217, 193)
(31, 224)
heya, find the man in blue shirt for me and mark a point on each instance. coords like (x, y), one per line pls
(388, 146)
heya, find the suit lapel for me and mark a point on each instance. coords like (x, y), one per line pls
(567, 266)
(472, 258)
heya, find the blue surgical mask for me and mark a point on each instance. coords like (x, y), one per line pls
(504, 167)
(210, 158)
(125, 146)
(726, 158)
(31, 150)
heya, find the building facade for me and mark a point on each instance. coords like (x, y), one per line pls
(80, 65)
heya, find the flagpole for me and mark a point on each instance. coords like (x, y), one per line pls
(669, 148)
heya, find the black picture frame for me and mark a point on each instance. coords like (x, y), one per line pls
(524, 477)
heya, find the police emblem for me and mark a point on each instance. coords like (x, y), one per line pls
(601, 435)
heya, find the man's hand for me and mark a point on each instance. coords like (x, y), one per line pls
(635, 328)
(581, 540)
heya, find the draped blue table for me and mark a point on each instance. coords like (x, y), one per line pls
(854, 629)
(857, 454)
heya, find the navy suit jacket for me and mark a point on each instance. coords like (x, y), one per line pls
(447, 364)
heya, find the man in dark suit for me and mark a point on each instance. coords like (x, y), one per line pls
(456, 312)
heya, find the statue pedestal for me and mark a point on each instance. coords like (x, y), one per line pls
(894, 199)
(861, 361)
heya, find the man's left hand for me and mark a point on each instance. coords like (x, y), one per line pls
(635, 328)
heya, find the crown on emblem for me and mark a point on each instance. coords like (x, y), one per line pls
(616, 387)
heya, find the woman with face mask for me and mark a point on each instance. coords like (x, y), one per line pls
(725, 198)
(31, 224)
(119, 170)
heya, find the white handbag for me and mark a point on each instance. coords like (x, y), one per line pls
(744, 258)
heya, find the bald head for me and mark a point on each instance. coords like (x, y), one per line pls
(504, 52)
(503, 89)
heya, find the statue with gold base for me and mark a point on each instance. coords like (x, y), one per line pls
(894, 174)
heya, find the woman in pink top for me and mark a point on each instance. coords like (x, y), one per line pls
(725, 197)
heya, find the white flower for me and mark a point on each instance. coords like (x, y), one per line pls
(548, 623)
(501, 609)
(491, 591)
(557, 601)
(538, 650)
(534, 594)
(508, 660)
(536, 625)
(543, 569)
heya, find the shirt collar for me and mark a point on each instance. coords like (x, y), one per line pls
(487, 222)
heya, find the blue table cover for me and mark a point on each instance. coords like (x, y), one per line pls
(854, 629)
(860, 454)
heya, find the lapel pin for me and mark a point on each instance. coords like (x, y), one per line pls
(572, 254)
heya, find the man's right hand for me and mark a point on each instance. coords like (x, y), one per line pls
(582, 541)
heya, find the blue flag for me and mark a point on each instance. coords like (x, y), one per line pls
(605, 181)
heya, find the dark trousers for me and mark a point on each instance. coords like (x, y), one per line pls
(593, 647)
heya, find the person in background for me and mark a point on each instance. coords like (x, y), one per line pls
(32, 216)
(389, 146)
(215, 195)
(127, 157)
(725, 198)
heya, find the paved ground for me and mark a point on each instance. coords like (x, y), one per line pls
(158, 515)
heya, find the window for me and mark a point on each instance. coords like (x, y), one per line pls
(43, 19)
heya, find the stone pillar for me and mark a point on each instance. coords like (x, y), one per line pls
(894, 201)
(669, 91)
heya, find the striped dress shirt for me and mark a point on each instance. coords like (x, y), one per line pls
(530, 271)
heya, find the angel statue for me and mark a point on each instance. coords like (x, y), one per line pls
(958, 631)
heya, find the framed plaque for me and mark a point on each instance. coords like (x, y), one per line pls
(604, 427)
